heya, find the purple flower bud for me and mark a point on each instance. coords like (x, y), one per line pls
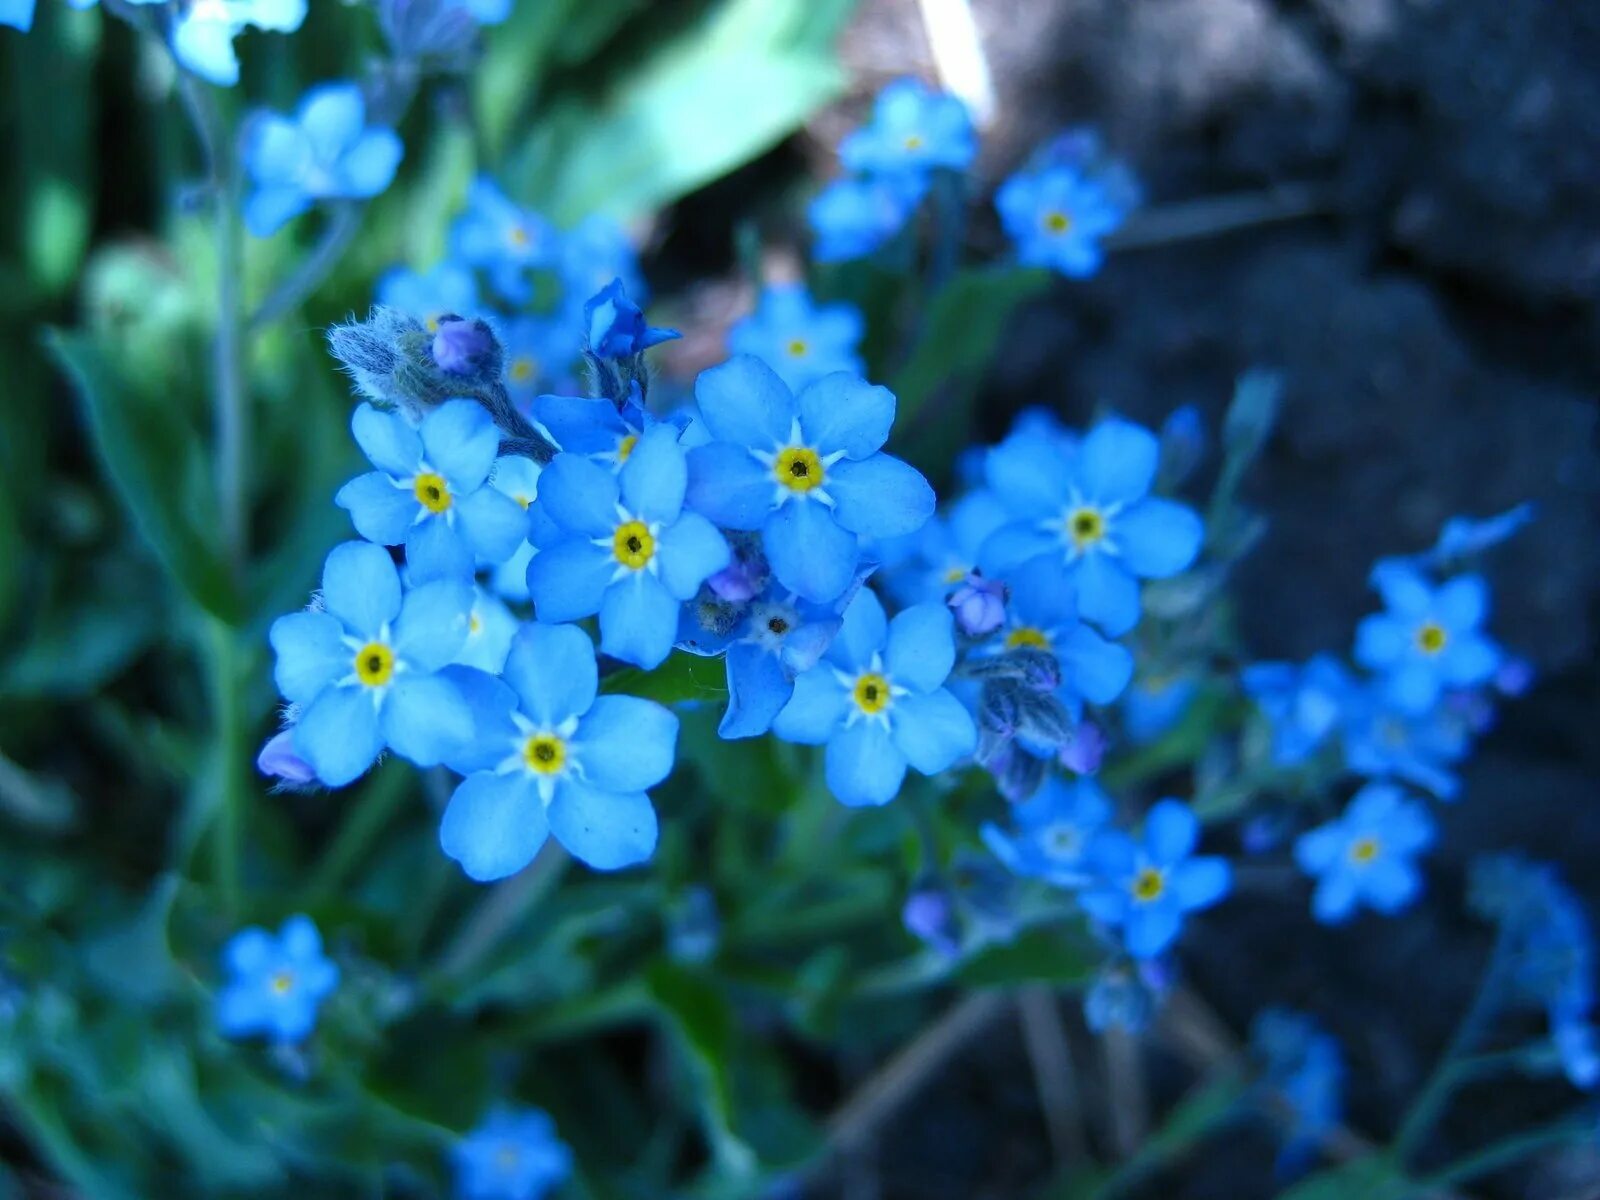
(278, 760)
(930, 916)
(463, 347)
(737, 582)
(1514, 677)
(1017, 774)
(1083, 748)
(979, 605)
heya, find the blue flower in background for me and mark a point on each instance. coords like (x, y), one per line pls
(614, 326)
(1155, 703)
(203, 37)
(503, 239)
(625, 549)
(1368, 855)
(878, 702)
(1145, 888)
(326, 151)
(1303, 1066)
(1057, 219)
(1429, 639)
(428, 492)
(1090, 516)
(446, 288)
(542, 354)
(800, 340)
(805, 471)
(1304, 704)
(851, 218)
(592, 428)
(274, 985)
(551, 758)
(590, 255)
(489, 12)
(361, 667)
(913, 130)
(514, 1155)
(1383, 742)
(1052, 831)
(17, 13)
(935, 560)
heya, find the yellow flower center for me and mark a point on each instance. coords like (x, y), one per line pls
(1148, 885)
(518, 236)
(433, 493)
(282, 982)
(955, 574)
(798, 348)
(431, 323)
(1431, 637)
(375, 664)
(626, 445)
(523, 500)
(798, 469)
(474, 625)
(1364, 850)
(913, 141)
(633, 544)
(1027, 635)
(1085, 526)
(507, 1158)
(872, 693)
(1057, 221)
(544, 753)
(1062, 840)
(522, 369)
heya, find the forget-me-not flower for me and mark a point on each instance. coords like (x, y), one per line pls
(503, 239)
(361, 668)
(326, 151)
(614, 326)
(1384, 742)
(626, 549)
(1057, 218)
(851, 218)
(541, 355)
(1303, 703)
(1090, 515)
(1367, 855)
(1303, 1066)
(17, 13)
(1146, 887)
(913, 130)
(202, 39)
(940, 557)
(275, 984)
(444, 289)
(1052, 831)
(1429, 639)
(800, 340)
(429, 491)
(513, 1155)
(806, 471)
(877, 700)
(551, 758)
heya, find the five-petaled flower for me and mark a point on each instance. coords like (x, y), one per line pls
(1052, 831)
(1056, 217)
(1367, 855)
(513, 1155)
(913, 130)
(801, 340)
(1429, 639)
(275, 984)
(502, 238)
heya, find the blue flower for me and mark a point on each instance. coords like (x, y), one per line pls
(614, 326)
(1053, 831)
(503, 239)
(1057, 219)
(514, 1155)
(1429, 639)
(17, 13)
(1090, 516)
(489, 12)
(913, 130)
(1368, 855)
(551, 758)
(1383, 742)
(625, 547)
(590, 255)
(490, 628)
(804, 470)
(428, 492)
(445, 289)
(938, 558)
(878, 702)
(517, 477)
(592, 428)
(203, 38)
(853, 217)
(541, 353)
(326, 151)
(1155, 703)
(800, 340)
(360, 668)
(1304, 704)
(1146, 887)
(275, 985)
(1304, 1067)
(780, 638)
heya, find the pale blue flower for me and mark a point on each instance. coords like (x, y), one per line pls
(275, 984)
(1368, 855)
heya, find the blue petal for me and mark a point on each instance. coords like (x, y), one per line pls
(815, 709)
(626, 744)
(1468, 659)
(638, 620)
(863, 766)
(311, 654)
(580, 424)
(1116, 463)
(361, 587)
(569, 579)
(1157, 538)
(1027, 473)
(380, 511)
(1151, 928)
(269, 209)
(243, 1010)
(494, 825)
(1413, 687)
(425, 719)
(433, 623)
(863, 632)
(300, 940)
(579, 495)
(275, 150)
(1390, 884)
(552, 670)
(205, 46)
(1462, 603)
(461, 441)
(492, 524)
(1335, 897)
(934, 731)
(758, 688)
(1381, 641)
(689, 551)
(729, 486)
(744, 402)
(1107, 594)
(655, 475)
(389, 443)
(251, 951)
(1012, 546)
(436, 550)
(1403, 589)
(808, 552)
(607, 830)
(1170, 832)
(1042, 593)
(490, 702)
(338, 734)
(1096, 669)
(842, 412)
(369, 166)
(332, 116)
(921, 649)
(1200, 882)
(1316, 850)
(880, 496)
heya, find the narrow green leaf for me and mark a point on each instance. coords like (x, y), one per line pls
(682, 678)
(1045, 955)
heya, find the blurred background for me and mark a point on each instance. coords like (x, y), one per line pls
(1417, 250)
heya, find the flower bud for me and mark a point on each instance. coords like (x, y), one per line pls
(279, 761)
(1083, 749)
(979, 605)
(465, 347)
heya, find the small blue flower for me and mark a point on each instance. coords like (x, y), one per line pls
(445, 289)
(275, 985)
(17, 13)
(542, 353)
(551, 758)
(428, 492)
(805, 471)
(625, 547)
(1090, 516)
(1304, 704)
(780, 638)
(1053, 832)
(590, 255)
(800, 340)
(1383, 742)
(514, 1155)
(1057, 218)
(203, 38)
(1368, 855)
(503, 239)
(878, 702)
(1429, 639)
(938, 558)
(1304, 1067)
(326, 151)
(1155, 703)
(851, 218)
(913, 130)
(1147, 887)
(360, 668)
(614, 326)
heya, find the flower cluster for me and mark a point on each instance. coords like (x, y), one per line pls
(1060, 206)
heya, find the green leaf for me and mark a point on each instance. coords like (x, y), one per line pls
(683, 677)
(149, 454)
(1369, 1178)
(1045, 955)
(133, 962)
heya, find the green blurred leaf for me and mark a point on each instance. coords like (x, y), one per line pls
(1370, 1178)
(683, 677)
(133, 962)
(1046, 955)
(151, 456)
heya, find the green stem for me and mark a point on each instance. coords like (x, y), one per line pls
(1507, 1151)
(379, 800)
(502, 910)
(230, 751)
(343, 223)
